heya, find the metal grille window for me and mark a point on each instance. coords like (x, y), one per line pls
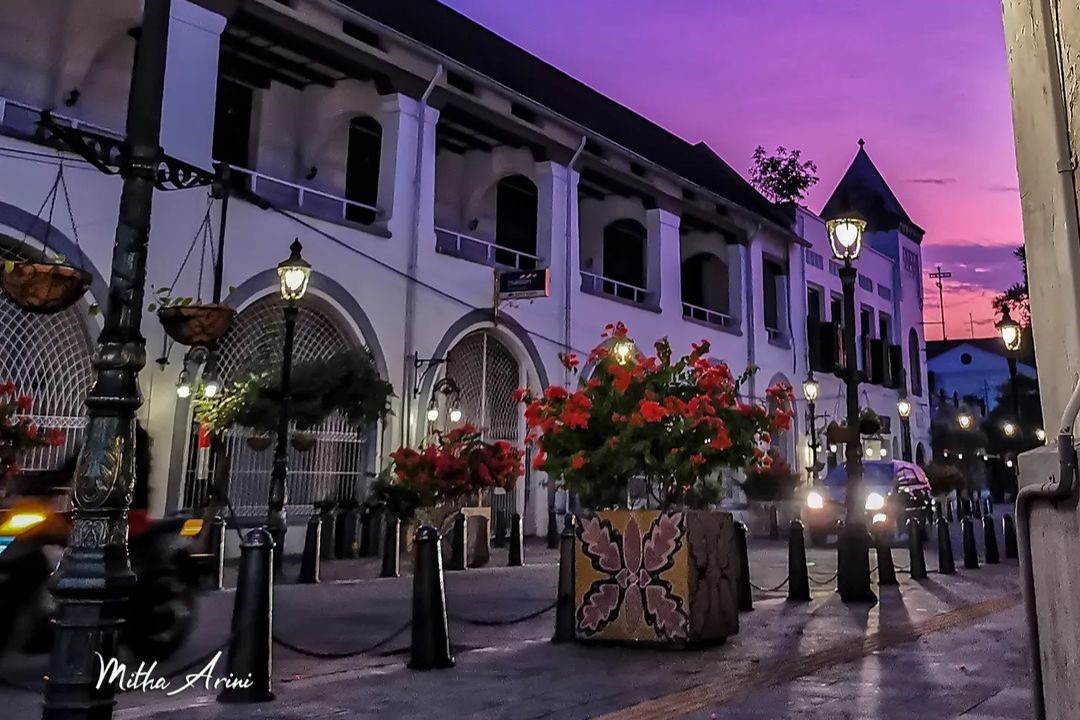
(48, 357)
(333, 468)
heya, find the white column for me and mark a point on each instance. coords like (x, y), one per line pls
(663, 261)
(399, 116)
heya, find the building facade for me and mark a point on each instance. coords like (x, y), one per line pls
(414, 154)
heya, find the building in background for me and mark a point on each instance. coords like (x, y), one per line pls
(976, 368)
(416, 154)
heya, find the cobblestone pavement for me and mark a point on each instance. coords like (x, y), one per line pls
(944, 648)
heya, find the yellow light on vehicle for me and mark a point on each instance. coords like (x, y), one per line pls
(814, 501)
(21, 522)
(879, 518)
(874, 501)
(191, 528)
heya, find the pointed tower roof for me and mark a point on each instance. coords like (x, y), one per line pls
(864, 190)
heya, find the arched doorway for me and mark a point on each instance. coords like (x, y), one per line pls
(487, 373)
(48, 358)
(334, 467)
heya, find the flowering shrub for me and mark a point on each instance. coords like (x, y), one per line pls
(18, 434)
(457, 464)
(673, 422)
(771, 482)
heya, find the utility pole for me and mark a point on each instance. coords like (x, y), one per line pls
(938, 277)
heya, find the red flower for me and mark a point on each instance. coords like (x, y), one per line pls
(539, 460)
(7, 388)
(24, 403)
(556, 392)
(31, 431)
(620, 377)
(55, 437)
(578, 461)
(697, 459)
(569, 360)
(520, 394)
(653, 411)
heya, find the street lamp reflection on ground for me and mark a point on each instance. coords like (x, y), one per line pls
(853, 547)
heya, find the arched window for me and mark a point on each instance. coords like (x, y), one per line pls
(705, 283)
(624, 256)
(914, 363)
(362, 168)
(515, 221)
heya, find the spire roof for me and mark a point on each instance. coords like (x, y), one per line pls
(864, 190)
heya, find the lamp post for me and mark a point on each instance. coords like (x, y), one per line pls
(811, 390)
(94, 578)
(447, 387)
(293, 276)
(853, 547)
(903, 409)
(1011, 337)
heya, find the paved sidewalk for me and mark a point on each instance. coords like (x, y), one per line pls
(942, 649)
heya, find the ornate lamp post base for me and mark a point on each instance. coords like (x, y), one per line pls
(853, 565)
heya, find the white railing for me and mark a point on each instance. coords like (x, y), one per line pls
(705, 315)
(315, 202)
(23, 117)
(600, 285)
(449, 242)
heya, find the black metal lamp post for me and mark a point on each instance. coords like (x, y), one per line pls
(1012, 337)
(853, 547)
(903, 409)
(293, 276)
(94, 578)
(811, 390)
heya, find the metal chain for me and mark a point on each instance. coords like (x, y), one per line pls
(323, 655)
(826, 581)
(500, 623)
(769, 590)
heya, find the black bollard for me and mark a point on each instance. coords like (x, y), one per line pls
(971, 550)
(217, 551)
(774, 523)
(990, 545)
(309, 563)
(391, 560)
(499, 540)
(977, 507)
(746, 594)
(885, 567)
(517, 551)
(915, 548)
(949, 511)
(348, 534)
(553, 531)
(328, 537)
(946, 563)
(430, 634)
(1008, 529)
(565, 624)
(249, 648)
(366, 519)
(459, 541)
(798, 575)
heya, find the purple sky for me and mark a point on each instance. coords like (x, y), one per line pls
(923, 81)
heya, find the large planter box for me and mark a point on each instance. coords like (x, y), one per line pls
(651, 576)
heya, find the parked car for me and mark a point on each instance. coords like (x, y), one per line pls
(893, 491)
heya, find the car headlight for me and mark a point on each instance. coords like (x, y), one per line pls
(20, 522)
(879, 518)
(814, 501)
(874, 501)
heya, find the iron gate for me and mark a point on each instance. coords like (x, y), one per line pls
(334, 466)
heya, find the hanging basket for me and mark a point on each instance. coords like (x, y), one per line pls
(302, 442)
(836, 433)
(44, 288)
(869, 423)
(196, 324)
(259, 443)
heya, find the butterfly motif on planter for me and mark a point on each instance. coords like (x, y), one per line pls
(631, 586)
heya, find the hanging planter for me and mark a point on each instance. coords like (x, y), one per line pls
(869, 422)
(259, 443)
(302, 441)
(43, 288)
(196, 324)
(836, 433)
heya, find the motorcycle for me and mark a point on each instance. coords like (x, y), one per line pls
(159, 613)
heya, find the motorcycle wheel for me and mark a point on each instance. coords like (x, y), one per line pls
(161, 615)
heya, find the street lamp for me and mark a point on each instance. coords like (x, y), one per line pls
(1040, 435)
(903, 409)
(449, 389)
(965, 421)
(853, 547)
(183, 385)
(623, 351)
(811, 390)
(294, 273)
(1009, 429)
(1011, 337)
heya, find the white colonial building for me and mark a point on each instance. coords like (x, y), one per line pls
(414, 154)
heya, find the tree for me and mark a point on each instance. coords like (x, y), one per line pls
(1016, 297)
(783, 176)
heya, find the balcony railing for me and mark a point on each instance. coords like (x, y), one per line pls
(599, 285)
(21, 120)
(483, 252)
(311, 201)
(707, 316)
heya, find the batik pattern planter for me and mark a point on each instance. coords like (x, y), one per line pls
(656, 576)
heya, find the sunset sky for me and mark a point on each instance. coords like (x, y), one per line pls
(925, 83)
